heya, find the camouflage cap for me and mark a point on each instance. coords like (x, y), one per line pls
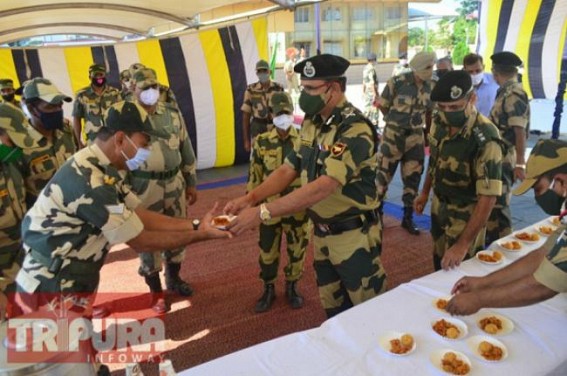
(545, 156)
(280, 102)
(6, 83)
(135, 67)
(96, 68)
(322, 67)
(125, 74)
(43, 89)
(262, 64)
(422, 60)
(128, 116)
(13, 120)
(145, 77)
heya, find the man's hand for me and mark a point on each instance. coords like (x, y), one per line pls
(3, 306)
(191, 195)
(467, 284)
(234, 207)
(247, 145)
(519, 174)
(453, 257)
(206, 225)
(420, 202)
(247, 219)
(464, 304)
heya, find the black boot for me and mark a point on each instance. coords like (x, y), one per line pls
(293, 298)
(174, 282)
(158, 302)
(407, 221)
(265, 302)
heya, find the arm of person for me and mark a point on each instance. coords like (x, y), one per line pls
(188, 163)
(520, 134)
(454, 255)
(77, 128)
(387, 97)
(421, 200)
(246, 130)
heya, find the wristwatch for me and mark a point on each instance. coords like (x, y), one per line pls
(522, 166)
(265, 214)
(196, 224)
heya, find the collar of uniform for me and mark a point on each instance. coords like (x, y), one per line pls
(99, 154)
(274, 133)
(36, 136)
(336, 116)
(471, 120)
(510, 82)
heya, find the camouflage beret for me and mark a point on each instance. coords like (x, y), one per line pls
(145, 77)
(12, 121)
(125, 74)
(135, 67)
(545, 156)
(280, 102)
(262, 64)
(43, 89)
(6, 83)
(322, 67)
(452, 86)
(506, 58)
(422, 60)
(96, 68)
(128, 116)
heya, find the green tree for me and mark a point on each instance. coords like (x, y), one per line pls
(461, 49)
(416, 36)
(467, 7)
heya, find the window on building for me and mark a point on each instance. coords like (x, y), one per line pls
(333, 47)
(301, 15)
(362, 14)
(331, 14)
(361, 44)
(393, 13)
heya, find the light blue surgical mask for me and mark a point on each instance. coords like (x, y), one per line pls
(137, 160)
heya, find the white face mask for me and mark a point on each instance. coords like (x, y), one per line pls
(137, 160)
(477, 78)
(149, 96)
(264, 77)
(283, 121)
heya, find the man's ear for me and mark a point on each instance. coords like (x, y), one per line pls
(119, 138)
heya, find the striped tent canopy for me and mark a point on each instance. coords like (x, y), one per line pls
(533, 29)
(208, 71)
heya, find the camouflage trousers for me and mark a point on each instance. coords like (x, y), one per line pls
(403, 145)
(297, 230)
(370, 111)
(348, 268)
(10, 262)
(165, 197)
(500, 221)
(448, 221)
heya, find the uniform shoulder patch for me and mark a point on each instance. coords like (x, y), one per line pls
(338, 149)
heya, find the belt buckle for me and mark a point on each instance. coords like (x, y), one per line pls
(324, 228)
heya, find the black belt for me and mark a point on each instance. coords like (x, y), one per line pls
(325, 229)
(164, 175)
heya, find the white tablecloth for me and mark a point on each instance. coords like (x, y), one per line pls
(348, 343)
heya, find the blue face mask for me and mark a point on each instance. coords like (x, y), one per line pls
(137, 160)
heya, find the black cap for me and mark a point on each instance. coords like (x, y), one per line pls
(506, 58)
(322, 67)
(453, 86)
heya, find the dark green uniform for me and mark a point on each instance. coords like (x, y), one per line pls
(256, 103)
(268, 154)
(348, 232)
(511, 109)
(461, 167)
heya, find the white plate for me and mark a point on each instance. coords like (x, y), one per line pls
(553, 228)
(458, 323)
(554, 221)
(437, 356)
(230, 218)
(384, 342)
(489, 253)
(526, 241)
(474, 341)
(434, 303)
(510, 251)
(507, 324)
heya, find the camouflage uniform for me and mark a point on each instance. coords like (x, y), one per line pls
(370, 82)
(161, 181)
(461, 167)
(165, 95)
(347, 263)
(406, 104)
(267, 155)
(552, 272)
(12, 210)
(85, 208)
(256, 100)
(90, 106)
(511, 109)
(8, 83)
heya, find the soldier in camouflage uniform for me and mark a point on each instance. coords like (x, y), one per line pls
(12, 210)
(90, 103)
(370, 89)
(256, 109)
(336, 161)
(404, 103)
(269, 152)
(125, 81)
(165, 183)
(541, 274)
(8, 92)
(464, 172)
(511, 114)
(165, 93)
(87, 207)
(49, 140)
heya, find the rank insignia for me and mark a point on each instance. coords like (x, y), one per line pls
(338, 149)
